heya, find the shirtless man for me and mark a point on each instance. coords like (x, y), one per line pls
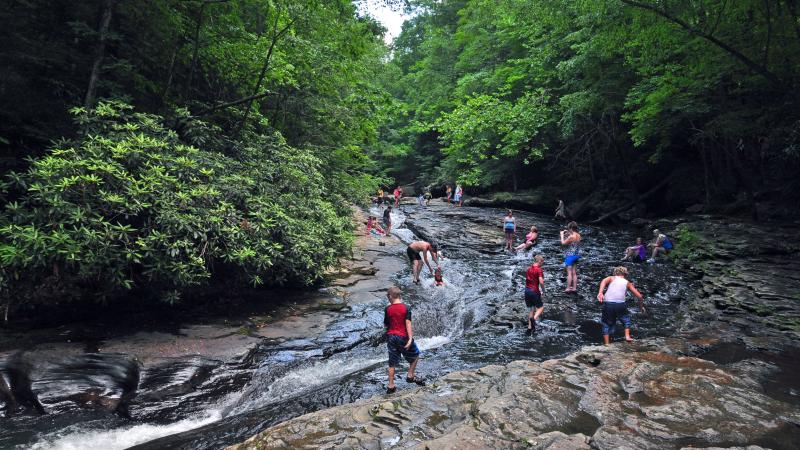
(417, 251)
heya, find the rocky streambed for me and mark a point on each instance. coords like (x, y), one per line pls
(725, 378)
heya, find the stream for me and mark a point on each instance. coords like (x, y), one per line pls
(477, 318)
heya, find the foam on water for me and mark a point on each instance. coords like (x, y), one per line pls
(78, 437)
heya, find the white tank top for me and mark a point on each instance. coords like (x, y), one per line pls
(616, 290)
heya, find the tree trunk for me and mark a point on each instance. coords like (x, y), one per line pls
(752, 65)
(105, 22)
(276, 36)
(170, 74)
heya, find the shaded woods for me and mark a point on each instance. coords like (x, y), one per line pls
(149, 147)
(602, 100)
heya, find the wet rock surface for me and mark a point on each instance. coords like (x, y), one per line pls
(643, 395)
(725, 379)
(750, 285)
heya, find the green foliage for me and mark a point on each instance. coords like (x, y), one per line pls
(593, 93)
(128, 205)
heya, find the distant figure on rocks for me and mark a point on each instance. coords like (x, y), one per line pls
(530, 239)
(637, 251)
(613, 301)
(428, 197)
(571, 239)
(417, 251)
(421, 199)
(449, 192)
(509, 228)
(661, 244)
(534, 284)
(400, 338)
(380, 197)
(387, 219)
(561, 210)
(457, 198)
(398, 192)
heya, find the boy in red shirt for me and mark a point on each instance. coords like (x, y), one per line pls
(534, 278)
(400, 338)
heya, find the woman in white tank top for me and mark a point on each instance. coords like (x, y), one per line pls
(612, 296)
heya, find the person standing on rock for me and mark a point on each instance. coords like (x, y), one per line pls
(417, 251)
(380, 197)
(400, 338)
(561, 210)
(457, 197)
(387, 219)
(509, 228)
(449, 192)
(534, 284)
(613, 300)
(398, 192)
(571, 240)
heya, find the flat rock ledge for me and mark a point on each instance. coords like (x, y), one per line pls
(626, 396)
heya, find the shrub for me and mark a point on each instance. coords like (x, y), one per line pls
(127, 204)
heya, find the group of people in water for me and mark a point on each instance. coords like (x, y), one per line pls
(611, 293)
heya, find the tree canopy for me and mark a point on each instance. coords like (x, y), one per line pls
(609, 95)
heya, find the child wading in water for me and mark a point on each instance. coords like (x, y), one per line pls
(571, 240)
(534, 284)
(400, 338)
(613, 301)
(509, 227)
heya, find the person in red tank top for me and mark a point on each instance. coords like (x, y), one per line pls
(534, 277)
(400, 338)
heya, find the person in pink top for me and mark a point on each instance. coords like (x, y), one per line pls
(398, 192)
(530, 239)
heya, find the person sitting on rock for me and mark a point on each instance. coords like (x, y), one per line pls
(613, 300)
(637, 251)
(400, 338)
(530, 240)
(661, 244)
(373, 227)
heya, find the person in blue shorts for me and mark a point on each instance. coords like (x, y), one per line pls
(571, 240)
(400, 338)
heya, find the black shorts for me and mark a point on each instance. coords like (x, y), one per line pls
(533, 299)
(387, 222)
(413, 255)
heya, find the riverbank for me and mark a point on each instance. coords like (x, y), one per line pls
(725, 379)
(156, 366)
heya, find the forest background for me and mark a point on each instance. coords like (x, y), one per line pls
(152, 148)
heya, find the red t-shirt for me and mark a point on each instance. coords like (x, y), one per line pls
(394, 317)
(532, 277)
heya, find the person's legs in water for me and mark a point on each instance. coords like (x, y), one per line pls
(533, 300)
(625, 318)
(608, 321)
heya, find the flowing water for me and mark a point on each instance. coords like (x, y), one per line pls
(477, 318)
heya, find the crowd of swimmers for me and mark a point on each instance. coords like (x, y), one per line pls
(611, 293)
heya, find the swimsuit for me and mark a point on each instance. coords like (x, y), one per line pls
(572, 254)
(508, 225)
(413, 255)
